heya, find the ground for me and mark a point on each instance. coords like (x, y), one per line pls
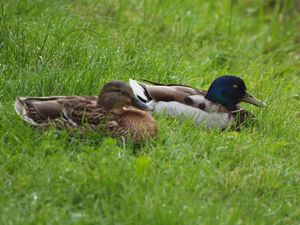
(187, 175)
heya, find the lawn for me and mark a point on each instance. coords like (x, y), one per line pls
(186, 175)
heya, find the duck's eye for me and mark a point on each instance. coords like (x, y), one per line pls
(235, 86)
(118, 91)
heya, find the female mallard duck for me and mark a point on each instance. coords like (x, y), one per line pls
(216, 108)
(113, 111)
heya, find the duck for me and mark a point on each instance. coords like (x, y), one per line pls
(115, 111)
(218, 107)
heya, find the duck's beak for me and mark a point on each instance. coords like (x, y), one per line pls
(252, 100)
(141, 105)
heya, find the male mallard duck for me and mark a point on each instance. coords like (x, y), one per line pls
(113, 111)
(216, 108)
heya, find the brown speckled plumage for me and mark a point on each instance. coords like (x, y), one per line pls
(119, 119)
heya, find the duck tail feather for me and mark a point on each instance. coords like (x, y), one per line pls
(21, 110)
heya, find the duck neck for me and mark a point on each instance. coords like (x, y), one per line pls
(230, 107)
(217, 97)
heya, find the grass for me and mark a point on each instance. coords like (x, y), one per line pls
(187, 175)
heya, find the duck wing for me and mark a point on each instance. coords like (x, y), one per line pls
(161, 92)
(85, 114)
(42, 110)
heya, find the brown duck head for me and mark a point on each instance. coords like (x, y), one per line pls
(117, 95)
